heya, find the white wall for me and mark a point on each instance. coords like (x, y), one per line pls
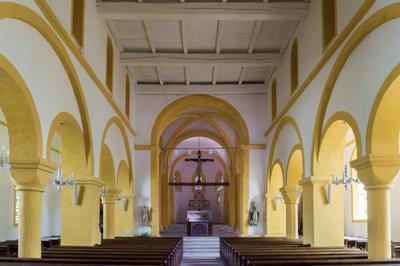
(47, 80)
(354, 92)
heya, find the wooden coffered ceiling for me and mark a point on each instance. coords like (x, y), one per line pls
(186, 46)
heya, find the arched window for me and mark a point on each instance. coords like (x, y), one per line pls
(127, 96)
(273, 99)
(294, 67)
(77, 20)
(328, 21)
(109, 64)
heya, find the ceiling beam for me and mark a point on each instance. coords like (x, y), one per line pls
(183, 36)
(214, 75)
(143, 89)
(179, 60)
(204, 11)
(185, 72)
(149, 35)
(254, 35)
(241, 75)
(220, 27)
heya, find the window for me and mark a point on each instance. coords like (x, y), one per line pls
(16, 207)
(294, 68)
(359, 199)
(127, 96)
(109, 64)
(273, 99)
(328, 21)
(77, 20)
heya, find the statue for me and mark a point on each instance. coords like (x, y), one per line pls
(145, 214)
(254, 214)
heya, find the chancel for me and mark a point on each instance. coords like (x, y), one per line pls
(201, 132)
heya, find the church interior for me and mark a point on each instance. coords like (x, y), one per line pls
(199, 132)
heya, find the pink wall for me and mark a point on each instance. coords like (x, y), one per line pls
(182, 198)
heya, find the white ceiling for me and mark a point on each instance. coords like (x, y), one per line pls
(221, 45)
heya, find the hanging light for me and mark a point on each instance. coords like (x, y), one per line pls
(5, 158)
(346, 179)
(60, 180)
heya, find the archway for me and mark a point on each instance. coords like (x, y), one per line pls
(324, 212)
(291, 193)
(110, 192)
(124, 211)
(66, 145)
(276, 209)
(202, 105)
(379, 168)
(25, 145)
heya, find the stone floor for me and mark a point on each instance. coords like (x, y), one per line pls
(201, 251)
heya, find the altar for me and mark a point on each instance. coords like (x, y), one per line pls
(199, 222)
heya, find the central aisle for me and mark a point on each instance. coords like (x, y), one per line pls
(201, 251)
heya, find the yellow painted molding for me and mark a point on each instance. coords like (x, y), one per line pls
(144, 147)
(71, 44)
(361, 12)
(90, 180)
(380, 17)
(36, 163)
(312, 180)
(117, 122)
(254, 146)
(3, 123)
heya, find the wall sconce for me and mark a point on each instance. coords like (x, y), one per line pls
(59, 181)
(123, 200)
(346, 179)
(5, 158)
(328, 193)
(104, 191)
(277, 199)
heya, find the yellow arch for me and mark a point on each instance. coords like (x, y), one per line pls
(107, 169)
(73, 137)
(347, 118)
(115, 121)
(28, 16)
(391, 80)
(380, 17)
(293, 164)
(284, 121)
(25, 132)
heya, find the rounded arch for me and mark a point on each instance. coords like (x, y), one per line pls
(28, 16)
(276, 173)
(294, 168)
(380, 17)
(72, 144)
(287, 120)
(123, 180)
(174, 110)
(333, 142)
(107, 171)
(383, 139)
(24, 127)
(174, 141)
(117, 122)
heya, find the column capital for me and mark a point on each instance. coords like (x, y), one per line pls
(314, 180)
(376, 170)
(111, 196)
(291, 194)
(91, 181)
(31, 174)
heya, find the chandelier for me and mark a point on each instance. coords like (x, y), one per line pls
(346, 179)
(59, 180)
(5, 158)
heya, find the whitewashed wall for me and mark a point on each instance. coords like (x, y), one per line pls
(52, 93)
(354, 92)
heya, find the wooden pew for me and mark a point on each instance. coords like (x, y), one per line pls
(280, 251)
(120, 251)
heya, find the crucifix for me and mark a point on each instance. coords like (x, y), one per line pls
(198, 181)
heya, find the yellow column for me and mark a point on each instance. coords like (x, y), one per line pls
(109, 201)
(291, 196)
(84, 212)
(155, 191)
(377, 174)
(323, 222)
(275, 216)
(30, 178)
(124, 225)
(29, 239)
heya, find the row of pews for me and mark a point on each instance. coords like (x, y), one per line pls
(9, 248)
(243, 251)
(165, 251)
